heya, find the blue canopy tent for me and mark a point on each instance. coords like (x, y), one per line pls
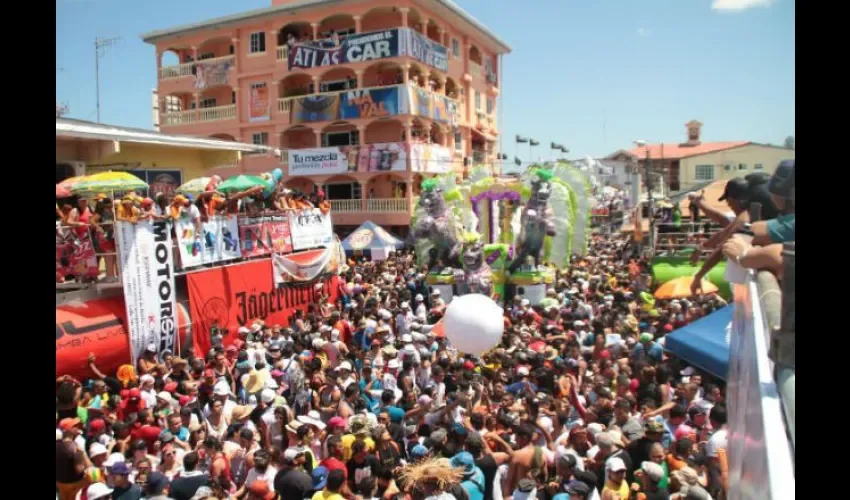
(373, 240)
(705, 342)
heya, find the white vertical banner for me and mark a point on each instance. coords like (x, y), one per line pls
(310, 228)
(147, 271)
(219, 241)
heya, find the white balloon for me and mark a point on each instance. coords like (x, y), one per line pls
(473, 323)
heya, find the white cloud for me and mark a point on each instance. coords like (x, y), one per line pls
(737, 5)
(643, 32)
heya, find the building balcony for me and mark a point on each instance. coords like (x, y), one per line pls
(189, 68)
(383, 211)
(202, 115)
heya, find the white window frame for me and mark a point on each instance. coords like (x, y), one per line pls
(260, 138)
(255, 41)
(701, 170)
(455, 47)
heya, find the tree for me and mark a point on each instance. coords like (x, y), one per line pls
(789, 142)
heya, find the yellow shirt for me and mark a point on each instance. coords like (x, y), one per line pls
(348, 440)
(623, 490)
(327, 495)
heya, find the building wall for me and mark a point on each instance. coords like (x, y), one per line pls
(748, 156)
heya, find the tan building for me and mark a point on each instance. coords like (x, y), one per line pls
(694, 163)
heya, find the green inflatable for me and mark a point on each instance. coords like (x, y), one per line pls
(667, 268)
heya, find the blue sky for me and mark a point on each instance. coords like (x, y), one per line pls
(591, 74)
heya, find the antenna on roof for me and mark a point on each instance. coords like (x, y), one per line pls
(100, 46)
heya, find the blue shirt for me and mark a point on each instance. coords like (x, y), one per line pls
(396, 413)
(474, 486)
(518, 386)
(655, 351)
(782, 228)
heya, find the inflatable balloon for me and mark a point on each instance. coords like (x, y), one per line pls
(473, 323)
(277, 175)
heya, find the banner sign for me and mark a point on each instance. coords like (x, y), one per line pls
(317, 161)
(382, 157)
(259, 107)
(416, 45)
(431, 158)
(160, 181)
(350, 105)
(260, 236)
(219, 240)
(354, 48)
(233, 296)
(434, 106)
(147, 267)
(75, 255)
(310, 228)
(211, 74)
(305, 266)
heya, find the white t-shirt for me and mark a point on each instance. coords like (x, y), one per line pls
(275, 429)
(194, 212)
(267, 476)
(734, 274)
(718, 440)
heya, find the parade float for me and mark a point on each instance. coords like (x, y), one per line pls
(502, 236)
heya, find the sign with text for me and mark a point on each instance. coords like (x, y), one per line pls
(431, 158)
(260, 236)
(434, 106)
(259, 105)
(423, 49)
(354, 48)
(147, 270)
(382, 157)
(320, 161)
(353, 104)
(218, 241)
(233, 296)
(310, 228)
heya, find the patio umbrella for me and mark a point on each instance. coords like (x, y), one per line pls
(241, 183)
(681, 287)
(108, 182)
(62, 191)
(194, 186)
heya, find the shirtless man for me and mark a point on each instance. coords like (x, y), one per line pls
(523, 460)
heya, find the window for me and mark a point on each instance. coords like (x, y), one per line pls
(260, 138)
(208, 103)
(232, 97)
(458, 141)
(742, 166)
(489, 106)
(350, 138)
(478, 100)
(455, 47)
(758, 166)
(232, 49)
(704, 172)
(172, 104)
(206, 55)
(344, 191)
(257, 43)
(727, 167)
(334, 86)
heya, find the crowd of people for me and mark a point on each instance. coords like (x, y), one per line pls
(360, 399)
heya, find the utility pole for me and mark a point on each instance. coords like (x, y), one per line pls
(100, 46)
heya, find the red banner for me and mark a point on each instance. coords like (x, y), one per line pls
(235, 296)
(99, 327)
(75, 256)
(262, 235)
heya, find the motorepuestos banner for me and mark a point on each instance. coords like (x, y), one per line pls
(260, 236)
(233, 296)
(310, 228)
(218, 241)
(147, 270)
(354, 48)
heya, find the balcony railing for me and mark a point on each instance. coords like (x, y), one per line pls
(284, 104)
(373, 206)
(185, 69)
(199, 115)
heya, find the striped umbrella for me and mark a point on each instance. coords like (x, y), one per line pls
(241, 183)
(194, 186)
(108, 181)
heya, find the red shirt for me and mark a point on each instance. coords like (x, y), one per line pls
(334, 463)
(149, 433)
(126, 407)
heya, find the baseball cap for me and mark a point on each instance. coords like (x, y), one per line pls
(736, 188)
(782, 181)
(615, 464)
(157, 482)
(119, 469)
(652, 470)
(66, 424)
(336, 422)
(320, 477)
(98, 490)
(418, 452)
(113, 459)
(267, 396)
(345, 365)
(96, 449)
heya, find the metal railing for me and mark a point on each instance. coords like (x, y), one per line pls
(347, 206)
(187, 69)
(217, 113)
(373, 206)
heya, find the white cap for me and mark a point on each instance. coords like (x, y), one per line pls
(312, 418)
(615, 464)
(578, 323)
(98, 490)
(113, 459)
(345, 365)
(318, 343)
(524, 303)
(96, 449)
(165, 396)
(221, 388)
(419, 297)
(243, 329)
(436, 292)
(522, 371)
(393, 364)
(405, 305)
(267, 396)
(384, 314)
(406, 338)
(146, 378)
(290, 454)
(151, 347)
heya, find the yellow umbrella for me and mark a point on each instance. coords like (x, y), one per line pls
(679, 288)
(70, 181)
(108, 181)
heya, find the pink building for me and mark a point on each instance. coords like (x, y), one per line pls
(361, 98)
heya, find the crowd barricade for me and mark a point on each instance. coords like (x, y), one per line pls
(83, 253)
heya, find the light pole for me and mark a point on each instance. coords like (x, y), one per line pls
(100, 46)
(646, 169)
(531, 144)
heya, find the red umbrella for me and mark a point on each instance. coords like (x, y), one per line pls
(62, 191)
